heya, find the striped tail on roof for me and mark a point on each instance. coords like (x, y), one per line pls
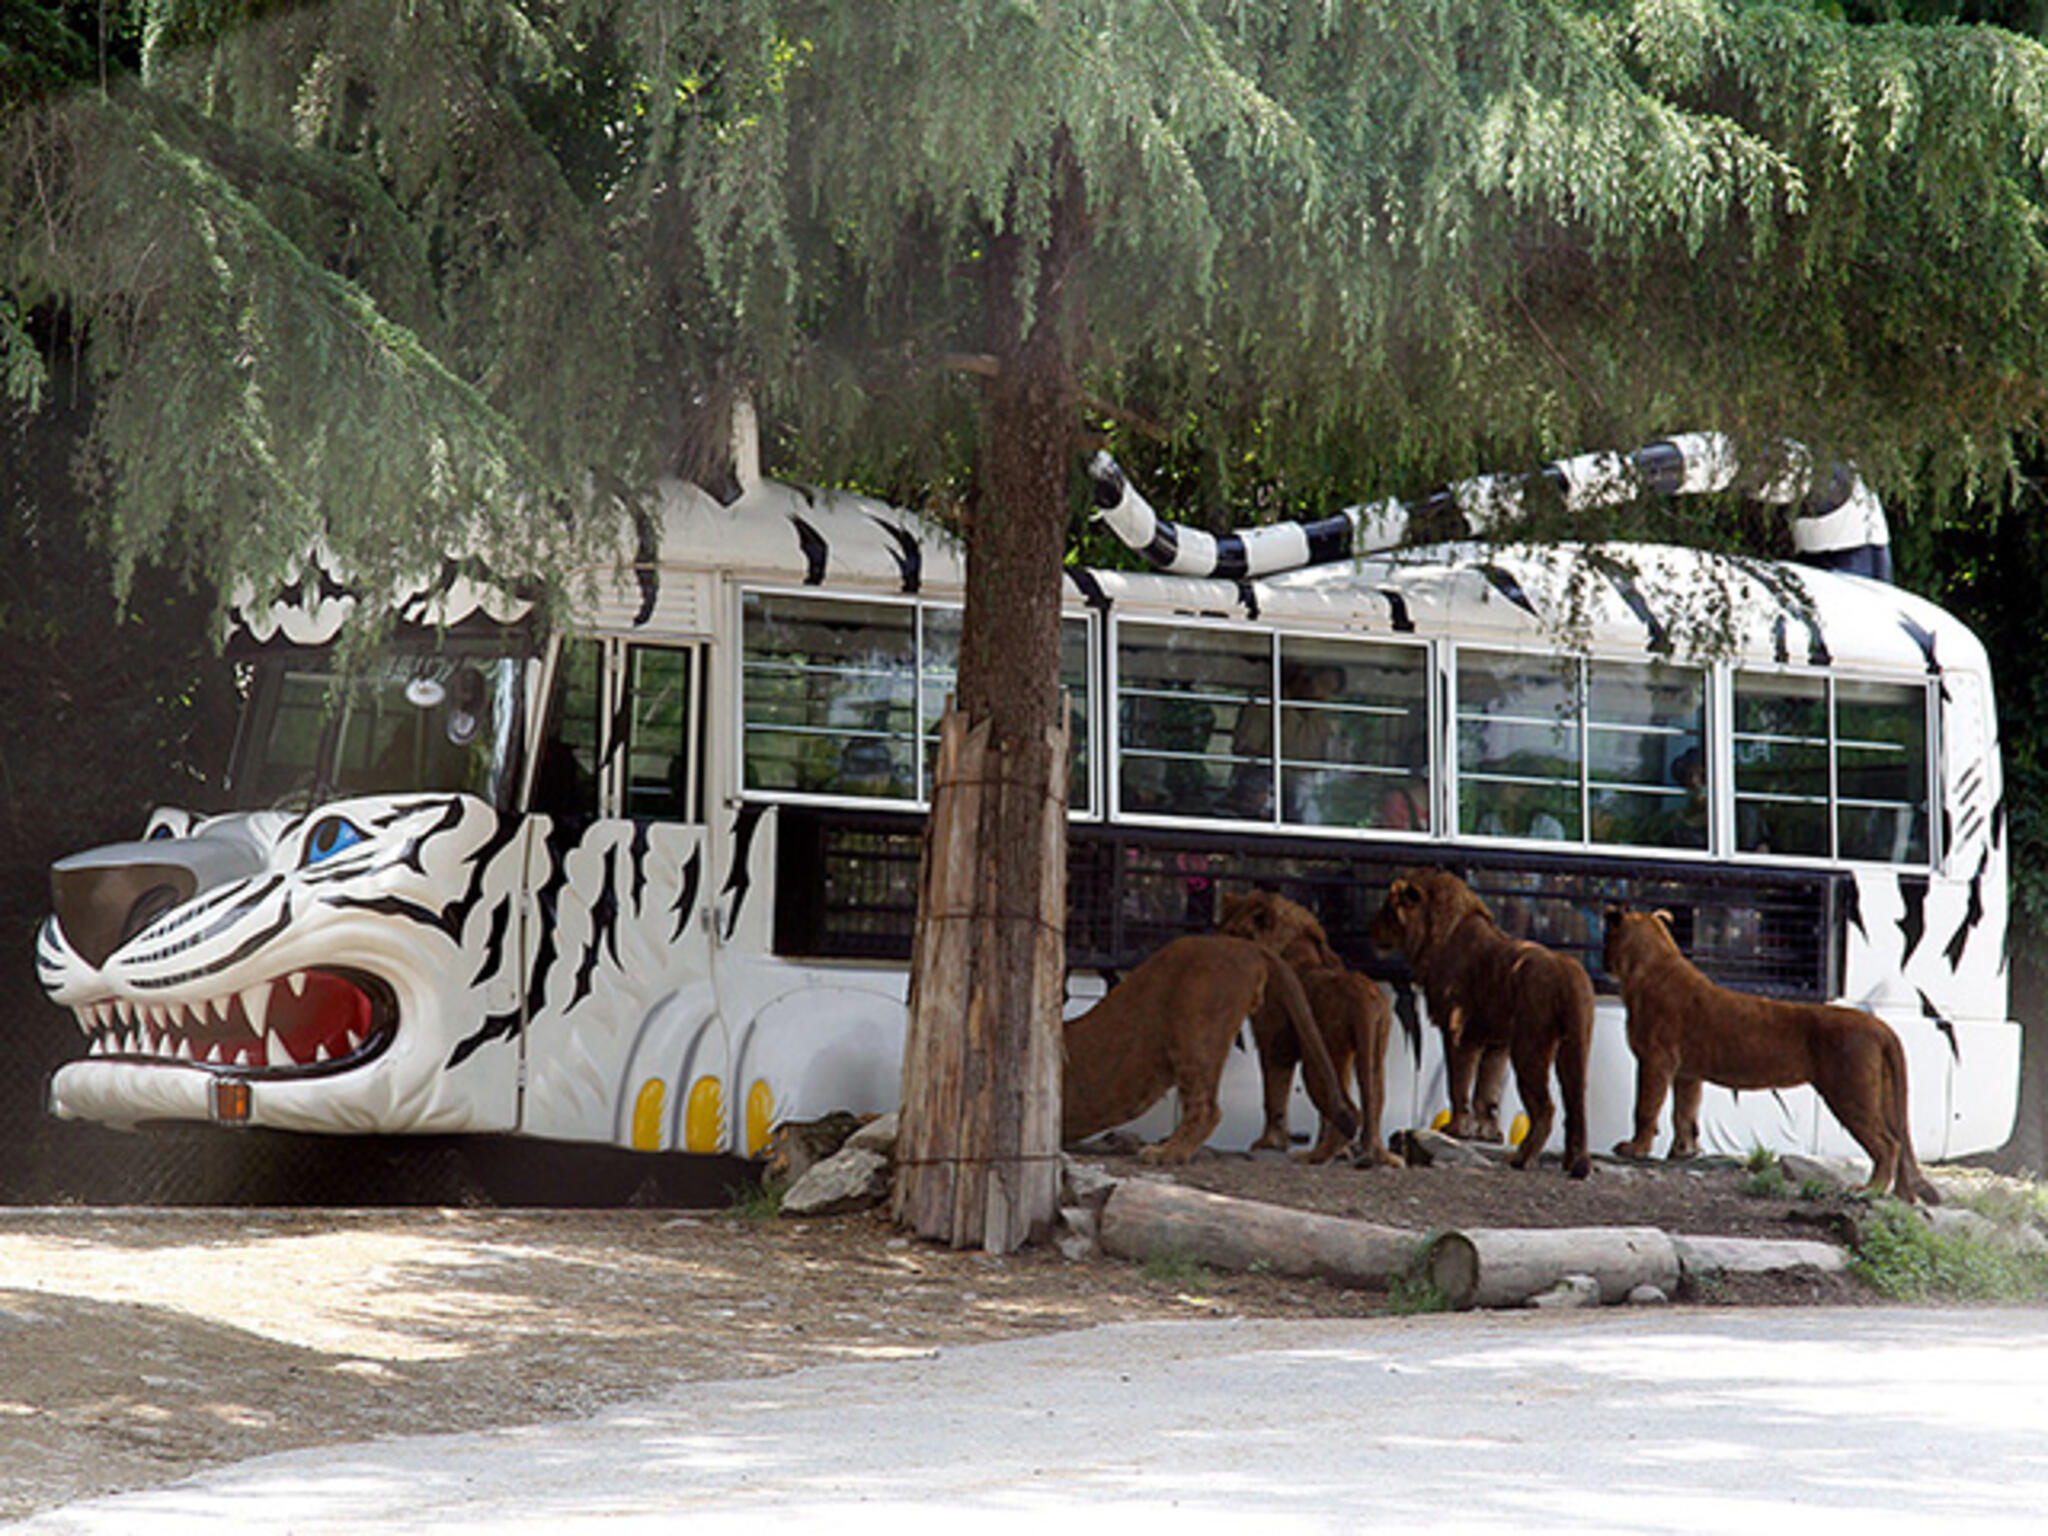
(1840, 527)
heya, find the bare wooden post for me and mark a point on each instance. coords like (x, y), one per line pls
(978, 1146)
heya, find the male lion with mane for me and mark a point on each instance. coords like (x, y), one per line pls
(1170, 1024)
(1497, 999)
(1350, 1010)
(1687, 1031)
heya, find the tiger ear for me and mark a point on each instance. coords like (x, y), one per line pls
(1663, 917)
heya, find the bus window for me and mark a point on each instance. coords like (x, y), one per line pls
(829, 696)
(1881, 772)
(1354, 734)
(1781, 765)
(1518, 747)
(1873, 804)
(660, 702)
(1194, 722)
(565, 785)
(938, 667)
(1646, 771)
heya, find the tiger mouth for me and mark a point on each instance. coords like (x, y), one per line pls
(306, 1021)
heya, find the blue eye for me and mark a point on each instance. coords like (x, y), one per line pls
(330, 835)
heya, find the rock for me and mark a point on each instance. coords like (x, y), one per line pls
(1648, 1296)
(1423, 1148)
(878, 1135)
(1078, 1234)
(1088, 1184)
(1570, 1292)
(1835, 1172)
(1754, 1255)
(798, 1146)
(852, 1179)
(1960, 1221)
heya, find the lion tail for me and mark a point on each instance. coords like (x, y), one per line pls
(1325, 1088)
(1908, 1180)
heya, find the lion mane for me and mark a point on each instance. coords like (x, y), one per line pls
(1686, 1031)
(1171, 1024)
(1498, 1000)
(1351, 1014)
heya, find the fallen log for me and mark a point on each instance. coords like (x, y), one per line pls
(1507, 1266)
(1150, 1218)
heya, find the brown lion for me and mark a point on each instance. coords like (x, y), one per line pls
(1686, 1031)
(1170, 1024)
(1497, 1000)
(1351, 1014)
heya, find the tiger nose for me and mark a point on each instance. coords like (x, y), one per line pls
(100, 907)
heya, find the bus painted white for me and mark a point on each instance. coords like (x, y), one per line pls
(650, 881)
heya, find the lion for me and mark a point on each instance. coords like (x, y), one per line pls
(1351, 1013)
(1687, 1031)
(1497, 1000)
(1170, 1024)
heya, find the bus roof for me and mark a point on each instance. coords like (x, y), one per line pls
(1650, 600)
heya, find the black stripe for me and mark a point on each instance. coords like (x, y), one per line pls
(1660, 467)
(1090, 589)
(816, 551)
(1397, 605)
(1165, 544)
(1233, 561)
(909, 554)
(1329, 539)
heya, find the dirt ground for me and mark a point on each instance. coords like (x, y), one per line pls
(138, 1345)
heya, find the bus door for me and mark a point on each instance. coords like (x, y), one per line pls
(624, 1039)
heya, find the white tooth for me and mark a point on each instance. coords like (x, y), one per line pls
(96, 1046)
(276, 1052)
(297, 982)
(124, 1009)
(167, 1047)
(320, 1054)
(256, 1006)
(88, 1019)
(242, 1056)
(184, 1050)
(213, 1054)
(355, 1042)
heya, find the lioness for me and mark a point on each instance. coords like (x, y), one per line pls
(1496, 999)
(1686, 1031)
(1351, 1013)
(1170, 1024)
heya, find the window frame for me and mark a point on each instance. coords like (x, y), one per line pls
(1086, 737)
(1275, 637)
(1830, 679)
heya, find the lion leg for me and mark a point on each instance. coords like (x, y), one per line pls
(1532, 1080)
(1653, 1083)
(1574, 1050)
(1279, 1051)
(1685, 1117)
(1461, 1062)
(1483, 1124)
(1197, 1072)
(1369, 1066)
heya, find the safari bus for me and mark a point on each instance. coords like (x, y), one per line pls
(649, 879)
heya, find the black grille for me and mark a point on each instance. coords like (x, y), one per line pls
(847, 889)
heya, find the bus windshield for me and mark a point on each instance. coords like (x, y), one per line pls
(429, 712)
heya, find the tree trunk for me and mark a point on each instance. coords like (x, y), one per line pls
(1147, 1219)
(979, 1144)
(1505, 1267)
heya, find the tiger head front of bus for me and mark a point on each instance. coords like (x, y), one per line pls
(338, 953)
(338, 969)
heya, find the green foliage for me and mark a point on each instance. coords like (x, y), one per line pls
(1414, 1293)
(1176, 1270)
(1766, 1180)
(1901, 1256)
(756, 1202)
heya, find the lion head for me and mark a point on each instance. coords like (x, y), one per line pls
(1634, 939)
(1421, 909)
(1286, 927)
